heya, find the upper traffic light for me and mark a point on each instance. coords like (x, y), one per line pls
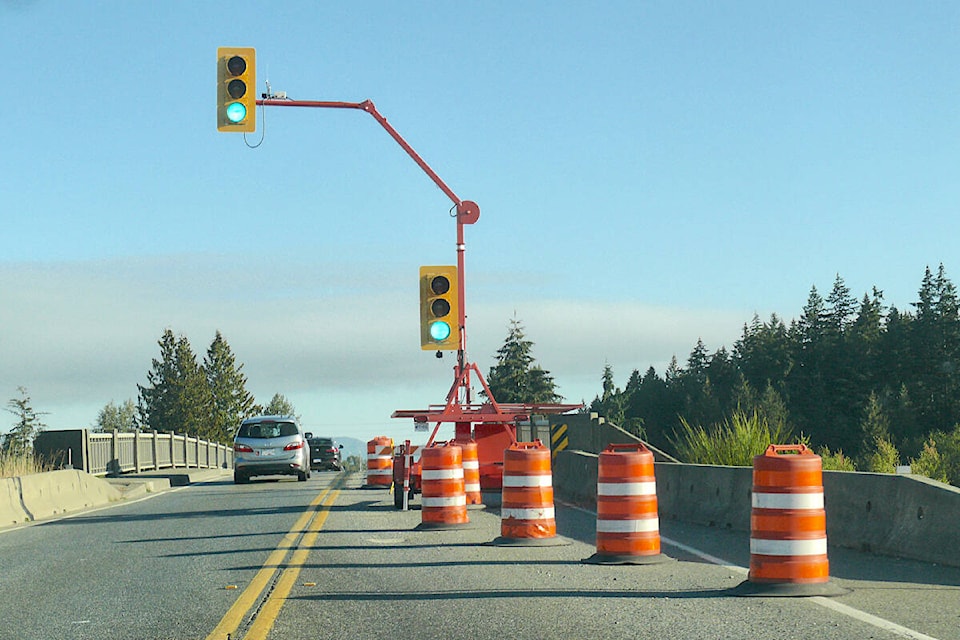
(439, 310)
(237, 89)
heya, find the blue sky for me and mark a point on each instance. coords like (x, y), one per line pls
(648, 173)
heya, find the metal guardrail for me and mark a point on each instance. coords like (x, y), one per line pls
(115, 452)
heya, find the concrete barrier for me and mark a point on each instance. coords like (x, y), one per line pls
(895, 515)
(57, 492)
(11, 511)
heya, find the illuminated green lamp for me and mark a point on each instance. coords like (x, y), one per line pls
(439, 331)
(236, 112)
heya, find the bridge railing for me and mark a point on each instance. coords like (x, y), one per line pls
(115, 452)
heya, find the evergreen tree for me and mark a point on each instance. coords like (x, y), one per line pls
(231, 400)
(156, 400)
(279, 406)
(19, 440)
(763, 353)
(612, 405)
(875, 425)
(516, 377)
(177, 398)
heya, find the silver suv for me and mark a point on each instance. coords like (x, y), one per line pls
(270, 445)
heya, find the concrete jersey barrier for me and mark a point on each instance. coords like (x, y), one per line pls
(895, 515)
(11, 509)
(42, 495)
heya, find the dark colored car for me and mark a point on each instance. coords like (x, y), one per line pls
(270, 445)
(325, 454)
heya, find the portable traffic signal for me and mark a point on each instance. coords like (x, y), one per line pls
(439, 310)
(237, 89)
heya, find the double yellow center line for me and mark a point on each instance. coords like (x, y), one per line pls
(308, 524)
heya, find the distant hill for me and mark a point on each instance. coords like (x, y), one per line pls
(352, 447)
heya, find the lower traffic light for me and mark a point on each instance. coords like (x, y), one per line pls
(439, 308)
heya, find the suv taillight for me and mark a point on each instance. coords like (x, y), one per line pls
(294, 445)
(242, 448)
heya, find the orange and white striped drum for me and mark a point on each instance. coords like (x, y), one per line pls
(527, 510)
(628, 526)
(380, 462)
(471, 472)
(443, 502)
(788, 524)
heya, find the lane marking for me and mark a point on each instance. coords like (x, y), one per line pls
(827, 603)
(234, 616)
(271, 608)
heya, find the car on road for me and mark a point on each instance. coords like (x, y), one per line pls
(325, 454)
(270, 445)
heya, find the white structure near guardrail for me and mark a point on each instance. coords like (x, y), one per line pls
(113, 453)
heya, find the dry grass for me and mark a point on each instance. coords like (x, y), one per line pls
(19, 465)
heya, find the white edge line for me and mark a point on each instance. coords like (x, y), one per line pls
(827, 603)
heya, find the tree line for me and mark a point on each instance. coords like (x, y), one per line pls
(206, 399)
(858, 377)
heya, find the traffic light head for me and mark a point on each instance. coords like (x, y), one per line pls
(439, 308)
(236, 89)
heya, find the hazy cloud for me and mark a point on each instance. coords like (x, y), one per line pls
(343, 347)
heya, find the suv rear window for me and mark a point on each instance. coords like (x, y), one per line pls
(267, 429)
(321, 442)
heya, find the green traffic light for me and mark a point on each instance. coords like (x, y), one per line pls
(439, 331)
(236, 112)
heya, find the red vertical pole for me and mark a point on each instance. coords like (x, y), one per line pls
(407, 463)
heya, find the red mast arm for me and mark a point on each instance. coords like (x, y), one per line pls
(368, 106)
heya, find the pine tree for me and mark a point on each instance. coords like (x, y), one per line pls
(19, 440)
(177, 398)
(155, 404)
(279, 406)
(516, 377)
(231, 400)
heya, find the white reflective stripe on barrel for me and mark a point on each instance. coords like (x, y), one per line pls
(528, 481)
(379, 472)
(442, 474)
(471, 486)
(788, 500)
(815, 547)
(644, 525)
(373, 457)
(448, 501)
(627, 489)
(527, 514)
(471, 464)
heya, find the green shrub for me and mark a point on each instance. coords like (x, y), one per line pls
(836, 461)
(929, 463)
(884, 458)
(735, 442)
(940, 457)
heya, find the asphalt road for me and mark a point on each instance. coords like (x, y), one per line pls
(328, 559)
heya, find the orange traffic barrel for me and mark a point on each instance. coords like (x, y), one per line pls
(443, 504)
(788, 526)
(380, 462)
(527, 514)
(471, 473)
(628, 526)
